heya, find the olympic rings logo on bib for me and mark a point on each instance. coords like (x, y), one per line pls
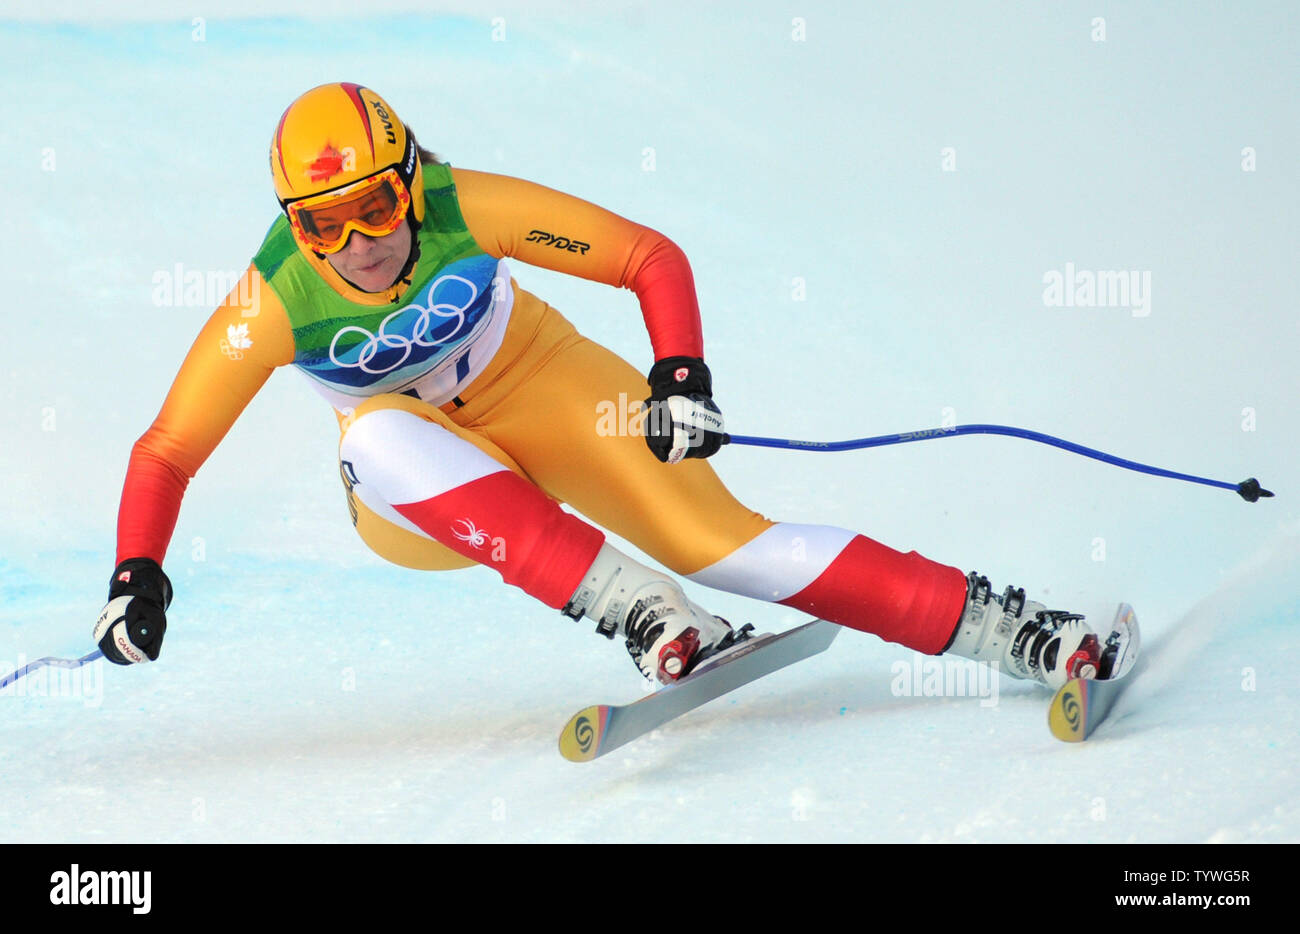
(429, 321)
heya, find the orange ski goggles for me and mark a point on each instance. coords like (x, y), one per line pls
(374, 206)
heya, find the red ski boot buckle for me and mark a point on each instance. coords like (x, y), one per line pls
(1085, 661)
(675, 657)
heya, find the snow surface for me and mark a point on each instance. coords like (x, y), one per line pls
(309, 692)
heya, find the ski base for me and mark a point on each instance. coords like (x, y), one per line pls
(594, 731)
(1082, 704)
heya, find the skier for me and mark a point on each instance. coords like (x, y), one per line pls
(470, 409)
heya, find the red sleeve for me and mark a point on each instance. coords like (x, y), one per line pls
(237, 350)
(543, 227)
(151, 501)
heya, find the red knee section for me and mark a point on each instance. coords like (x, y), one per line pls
(506, 523)
(902, 598)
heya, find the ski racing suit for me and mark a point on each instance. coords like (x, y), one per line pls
(470, 409)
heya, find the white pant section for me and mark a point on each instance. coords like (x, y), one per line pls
(777, 564)
(397, 457)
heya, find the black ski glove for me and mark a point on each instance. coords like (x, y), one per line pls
(682, 419)
(130, 629)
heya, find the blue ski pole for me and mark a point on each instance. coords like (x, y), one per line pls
(50, 662)
(1248, 489)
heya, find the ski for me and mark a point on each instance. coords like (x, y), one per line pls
(1082, 704)
(602, 728)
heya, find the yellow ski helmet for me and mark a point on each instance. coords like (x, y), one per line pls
(334, 145)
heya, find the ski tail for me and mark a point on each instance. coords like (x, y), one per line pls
(1067, 716)
(581, 738)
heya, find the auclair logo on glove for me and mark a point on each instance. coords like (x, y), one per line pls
(680, 374)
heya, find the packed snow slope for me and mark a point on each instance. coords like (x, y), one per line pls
(875, 203)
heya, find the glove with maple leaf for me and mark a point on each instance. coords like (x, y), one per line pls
(682, 419)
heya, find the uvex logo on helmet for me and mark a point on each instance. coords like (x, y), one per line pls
(382, 114)
(409, 166)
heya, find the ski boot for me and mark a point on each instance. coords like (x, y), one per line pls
(1023, 638)
(667, 635)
